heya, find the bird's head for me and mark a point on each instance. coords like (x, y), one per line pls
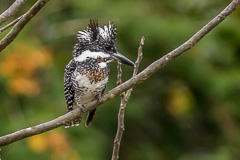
(98, 43)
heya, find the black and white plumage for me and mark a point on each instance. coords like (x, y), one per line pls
(87, 74)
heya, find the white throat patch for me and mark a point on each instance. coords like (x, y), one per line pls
(88, 54)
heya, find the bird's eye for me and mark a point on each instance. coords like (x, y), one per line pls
(108, 48)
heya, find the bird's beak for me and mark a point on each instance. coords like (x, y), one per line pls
(121, 58)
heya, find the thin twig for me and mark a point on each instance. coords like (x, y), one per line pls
(119, 75)
(124, 99)
(140, 56)
(10, 24)
(120, 128)
(12, 34)
(139, 78)
(11, 11)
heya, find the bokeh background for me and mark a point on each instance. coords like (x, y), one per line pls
(188, 110)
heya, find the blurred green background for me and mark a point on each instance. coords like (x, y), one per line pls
(188, 110)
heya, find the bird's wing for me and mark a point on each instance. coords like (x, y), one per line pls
(68, 84)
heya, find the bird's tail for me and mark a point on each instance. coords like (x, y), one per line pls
(90, 117)
(75, 122)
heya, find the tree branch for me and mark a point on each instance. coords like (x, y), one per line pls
(124, 99)
(139, 78)
(10, 24)
(21, 23)
(120, 129)
(11, 11)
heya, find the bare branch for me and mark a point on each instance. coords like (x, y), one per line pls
(140, 56)
(27, 132)
(124, 100)
(21, 23)
(119, 75)
(120, 129)
(10, 24)
(139, 78)
(11, 11)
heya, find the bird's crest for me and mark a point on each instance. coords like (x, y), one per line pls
(93, 27)
(93, 32)
(94, 35)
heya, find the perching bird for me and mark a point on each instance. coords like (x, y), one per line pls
(87, 74)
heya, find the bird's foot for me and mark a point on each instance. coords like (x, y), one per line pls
(75, 122)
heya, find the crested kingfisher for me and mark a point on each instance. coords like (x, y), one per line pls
(87, 73)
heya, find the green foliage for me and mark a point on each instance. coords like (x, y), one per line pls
(187, 110)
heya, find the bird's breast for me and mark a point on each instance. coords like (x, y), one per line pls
(89, 85)
(94, 75)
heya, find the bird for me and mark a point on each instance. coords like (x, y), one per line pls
(87, 73)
